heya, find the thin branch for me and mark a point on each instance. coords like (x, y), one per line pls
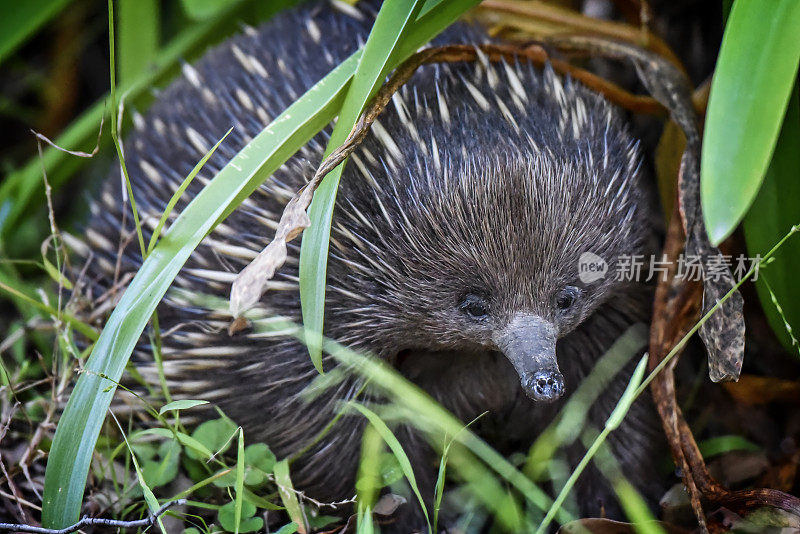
(148, 521)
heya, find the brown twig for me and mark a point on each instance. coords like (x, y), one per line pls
(148, 521)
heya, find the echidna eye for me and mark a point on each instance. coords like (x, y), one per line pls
(474, 306)
(567, 297)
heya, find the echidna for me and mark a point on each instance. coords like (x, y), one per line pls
(455, 245)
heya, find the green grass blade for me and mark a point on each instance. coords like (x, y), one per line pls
(432, 417)
(288, 496)
(395, 36)
(77, 432)
(397, 449)
(138, 26)
(179, 193)
(755, 72)
(237, 517)
(774, 211)
(614, 420)
(21, 20)
(75, 323)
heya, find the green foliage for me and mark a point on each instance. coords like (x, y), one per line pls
(83, 416)
(722, 444)
(214, 436)
(138, 28)
(755, 72)
(22, 20)
(205, 449)
(157, 454)
(181, 405)
(774, 211)
(243, 521)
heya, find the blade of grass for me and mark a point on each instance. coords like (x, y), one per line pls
(614, 420)
(391, 23)
(288, 496)
(237, 517)
(179, 193)
(83, 416)
(115, 127)
(755, 72)
(368, 482)
(397, 33)
(397, 449)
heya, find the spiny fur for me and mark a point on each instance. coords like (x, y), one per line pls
(490, 177)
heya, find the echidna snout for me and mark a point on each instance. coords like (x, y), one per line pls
(529, 343)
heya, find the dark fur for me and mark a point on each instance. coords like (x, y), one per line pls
(506, 212)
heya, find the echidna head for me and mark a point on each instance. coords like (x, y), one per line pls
(489, 260)
(473, 242)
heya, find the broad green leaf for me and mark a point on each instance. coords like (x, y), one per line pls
(755, 72)
(258, 455)
(215, 435)
(76, 434)
(774, 211)
(138, 24)
(395, 36)
(164, 468)
(227, 518)
(181, 405)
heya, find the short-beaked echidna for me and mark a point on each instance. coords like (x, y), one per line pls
(454, 254)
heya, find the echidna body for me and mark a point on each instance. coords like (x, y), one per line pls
(454, 253)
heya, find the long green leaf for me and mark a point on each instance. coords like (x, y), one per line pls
(397, 449)
(774, 211)
(83, 416)
(392, 21)
(755, 71)
(396, 35)
(239, 498)
(138, 26)
(288, 496)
